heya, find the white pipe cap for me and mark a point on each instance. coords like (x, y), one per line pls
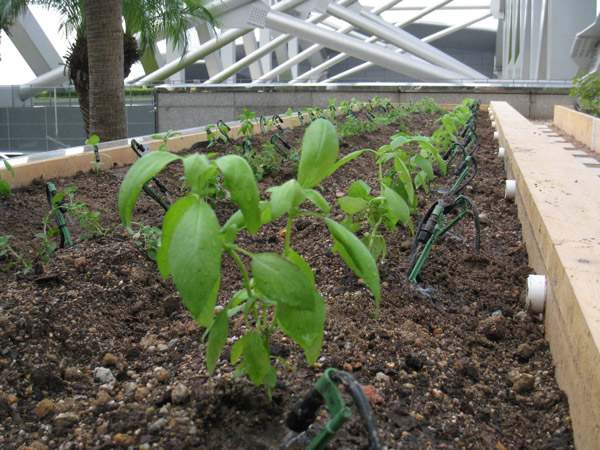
(511, 189)
(536, 293)
(501, 152)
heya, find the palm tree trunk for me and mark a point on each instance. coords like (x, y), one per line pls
(108, 118)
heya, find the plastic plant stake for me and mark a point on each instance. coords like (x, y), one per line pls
(59, 215)
(326, 391)
(275, 140)
(139, 150)
(433, 225)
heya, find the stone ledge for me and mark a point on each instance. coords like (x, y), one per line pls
(559, 207)
(583, 127)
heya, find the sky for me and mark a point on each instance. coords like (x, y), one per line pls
(15, 71)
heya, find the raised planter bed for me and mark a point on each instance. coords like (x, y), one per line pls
(452, 362)
(583, 127)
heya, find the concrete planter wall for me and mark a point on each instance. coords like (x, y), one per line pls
(583, 127)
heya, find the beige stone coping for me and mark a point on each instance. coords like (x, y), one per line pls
(559, 207)
(583, 127)
(68, 162)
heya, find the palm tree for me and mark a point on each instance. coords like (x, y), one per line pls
(102, 54)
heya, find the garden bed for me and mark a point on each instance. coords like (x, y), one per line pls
(453, 362)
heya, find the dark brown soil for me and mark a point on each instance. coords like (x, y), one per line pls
(452, 363)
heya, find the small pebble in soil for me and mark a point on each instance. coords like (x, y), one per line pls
(103, 375)
(110, 360)
(180, 394)
(524, 384)
(66, 419)
(44, 408)
(525, 352)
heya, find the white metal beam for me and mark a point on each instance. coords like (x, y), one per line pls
(316, 71)
(381, 56)
(430, 38)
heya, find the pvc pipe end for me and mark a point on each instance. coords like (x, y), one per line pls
(493, 124)
(501, 152)
(536, 293)
(492, 116)
(511, 189)
(496, 135)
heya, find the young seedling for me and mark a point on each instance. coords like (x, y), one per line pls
(165, 138)
(5, 249)
(94, 140)
(278, 291)
(247, 120)
(4, 186)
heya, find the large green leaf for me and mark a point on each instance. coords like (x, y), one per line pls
(9, 167)
(256, 357)
(304, 327)
(216, 339)
(399, 140)
(396, 205)
(282, 281)
(318, 200)
(406, 179)
(359, 189)
(4, 187)
(295, 258)
(283, 198)
(357, 256)
(198, 170)
(348, 157)
(240, 181)
(424, 165)
(352, 205)
(170, 222)
(194, 250)
(320, 148)
(141, 171)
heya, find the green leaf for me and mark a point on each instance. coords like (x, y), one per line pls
(141, 171)
(304, 327)
(285, 197)
(348, 157)
(352, 205)
(194, 249)
(318, 200)
(216, 339)
(296, 259)
(396, 205)
(359, 189)
(8, 167)
(198, 170)
(237, 349)
(357, 256)
(405, 178)
(399, 140)
(240, 181)
(4, 187)
(424, 165)
(283, 281)
(320, 148)
(256, 358)
(92, 140)
(170, 222)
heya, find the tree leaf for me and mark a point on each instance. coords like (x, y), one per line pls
(352, 205)
(194, 258)
(256, 358)
(283, 198)
(282, 281)
(304, 327)
(216, 339)
(320, 148)
(240, 181)
(357, 256)
(141, 171)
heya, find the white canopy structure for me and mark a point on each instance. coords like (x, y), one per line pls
(305, 41)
